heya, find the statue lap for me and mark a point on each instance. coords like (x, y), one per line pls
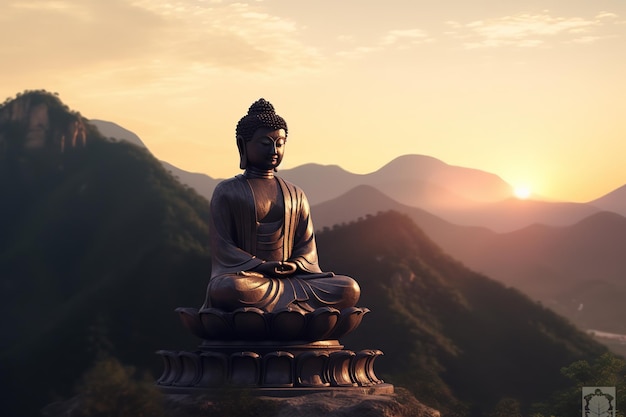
(306, 292)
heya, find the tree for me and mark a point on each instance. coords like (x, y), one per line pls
(607, 371)
(110, 389)
(507, 407)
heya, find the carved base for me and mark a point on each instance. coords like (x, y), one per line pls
(273, 370)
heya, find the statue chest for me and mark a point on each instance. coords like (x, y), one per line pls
(268, 200)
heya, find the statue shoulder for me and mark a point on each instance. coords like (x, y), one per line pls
(291, 186)
(229, 186)
(235, 181)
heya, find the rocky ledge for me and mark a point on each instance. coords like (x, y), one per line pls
(329, 404)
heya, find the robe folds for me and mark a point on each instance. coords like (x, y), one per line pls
(235, 284)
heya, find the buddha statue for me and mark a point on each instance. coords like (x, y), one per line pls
(272, 319)
(262, 238)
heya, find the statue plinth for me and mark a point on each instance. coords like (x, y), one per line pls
(282, 353)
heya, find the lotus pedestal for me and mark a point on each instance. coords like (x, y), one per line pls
(284, 353)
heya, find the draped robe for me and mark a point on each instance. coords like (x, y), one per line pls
(234, 228)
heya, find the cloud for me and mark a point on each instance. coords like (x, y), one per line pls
(530, 30)
(61, 34)
(395, 38)
(144, 41)
(409, 36)
(232, 35)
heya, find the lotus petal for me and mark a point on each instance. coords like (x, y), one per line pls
(245, 369)
(172, 367)
(363, 370)
(311, 369)
(287, 325)
(215, 323)
(191, 320)
(370, 366)
(279, 369)
(250, 324)
(214, 369)
(321, 322)
(190, 369)
(340, 369)
(349, 320)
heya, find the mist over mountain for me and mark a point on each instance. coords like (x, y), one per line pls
(578, 270)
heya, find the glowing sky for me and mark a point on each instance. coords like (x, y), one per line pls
(533, 91)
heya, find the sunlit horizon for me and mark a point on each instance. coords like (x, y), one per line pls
(532, 92)
(522, 192)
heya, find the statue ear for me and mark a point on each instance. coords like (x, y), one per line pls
(243, 156)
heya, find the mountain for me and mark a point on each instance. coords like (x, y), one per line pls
(116, 132)
(460, 195)
(451, 335)
(100, 243)
(202, 183)
(410, 179)
(469, 206)
(364, 201)
(472, 218)
(96, 240)
(614, 201)
(578, 270)
(470, 184)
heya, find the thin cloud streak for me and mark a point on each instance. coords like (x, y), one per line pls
(233, 36)
(395, 38)
(531, 30)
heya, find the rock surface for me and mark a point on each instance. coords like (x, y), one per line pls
(399, 404)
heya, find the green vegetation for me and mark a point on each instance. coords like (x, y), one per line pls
(100, 244)
(110, 389)
(605, 371)
(462, 343)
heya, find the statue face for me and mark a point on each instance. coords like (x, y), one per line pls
(265, 149)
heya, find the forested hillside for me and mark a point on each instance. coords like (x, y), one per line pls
(99, 245)
(459, 340)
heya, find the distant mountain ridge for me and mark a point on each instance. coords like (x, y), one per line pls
(463, 196)
(473, 217)
(117, 132)
(566, 267)
(505, 238)
(202, 183)
(614, 201)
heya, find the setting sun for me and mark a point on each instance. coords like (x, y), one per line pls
(522, 192)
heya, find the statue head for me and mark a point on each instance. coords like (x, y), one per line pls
(261, 116)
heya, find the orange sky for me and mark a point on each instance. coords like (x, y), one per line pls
(533, 91)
